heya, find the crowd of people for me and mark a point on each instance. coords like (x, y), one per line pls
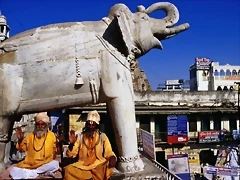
(89, 155)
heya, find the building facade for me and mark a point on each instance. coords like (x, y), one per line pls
(210, 76)
(223, 77)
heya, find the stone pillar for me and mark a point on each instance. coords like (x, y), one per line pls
(199, 126)
(137, 122)
(211, 124)
(225, 123)
(152, 125)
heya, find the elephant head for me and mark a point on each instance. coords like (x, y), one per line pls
(141, 33)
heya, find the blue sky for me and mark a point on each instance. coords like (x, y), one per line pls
(214, 30)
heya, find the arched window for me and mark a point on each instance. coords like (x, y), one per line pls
(222, 73)
(225, 88)
(216, 73)
(219, 88)
(234, 73)
(239, 72)
(231, 88)
(228, 73)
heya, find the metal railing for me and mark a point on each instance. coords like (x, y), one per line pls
(170, 175)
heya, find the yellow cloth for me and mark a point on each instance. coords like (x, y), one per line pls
(92, 163)
(98, 173)
(36, 157)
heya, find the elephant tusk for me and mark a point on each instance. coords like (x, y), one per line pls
(176, 29)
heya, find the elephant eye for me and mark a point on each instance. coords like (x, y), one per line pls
(144, 18)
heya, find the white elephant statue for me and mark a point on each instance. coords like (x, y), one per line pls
(78, 63)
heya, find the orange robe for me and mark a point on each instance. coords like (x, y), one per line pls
(38, 151)
(93, 159)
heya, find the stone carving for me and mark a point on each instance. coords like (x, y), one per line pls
(73, 64)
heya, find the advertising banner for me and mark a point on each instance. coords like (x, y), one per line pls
(208, 136)
(177, 129)
(202, 63)
(223, 171)
(178, 164)
(148, 144)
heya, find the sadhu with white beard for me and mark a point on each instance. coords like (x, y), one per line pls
(95, 156)
(41, 148)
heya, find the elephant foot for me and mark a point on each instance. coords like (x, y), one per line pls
(130, 164)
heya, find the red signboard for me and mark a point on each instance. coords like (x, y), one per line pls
(208, 136)
(177, 139)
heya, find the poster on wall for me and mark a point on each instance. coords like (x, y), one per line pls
(177, 129)
(178, 164)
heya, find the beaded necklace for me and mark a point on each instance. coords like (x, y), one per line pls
(93, 146)
(42, 145)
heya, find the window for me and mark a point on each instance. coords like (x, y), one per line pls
(219, 88)
(234, 73)
(216, 73)
(228, 73)
(222, 73)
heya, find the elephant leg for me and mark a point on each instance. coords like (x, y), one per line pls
(122, 113)
(118, 89)
(6, 127)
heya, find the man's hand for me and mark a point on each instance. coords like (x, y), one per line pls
(72, 137)
(61, 138)
(112, 161)
(20, 133)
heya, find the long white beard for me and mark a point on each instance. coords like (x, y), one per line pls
(40, 132)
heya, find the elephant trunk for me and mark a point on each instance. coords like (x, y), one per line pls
(172, 14)
(161, 28)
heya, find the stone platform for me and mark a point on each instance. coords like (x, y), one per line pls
(150, 172)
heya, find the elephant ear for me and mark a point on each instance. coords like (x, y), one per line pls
(124, 23)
